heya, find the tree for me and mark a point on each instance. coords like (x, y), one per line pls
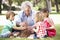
(56, 3)
(18, 1)
(48, 5)
(0, 6)
(10, 3)
(35, 2)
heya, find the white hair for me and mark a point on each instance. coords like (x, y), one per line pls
(26, 3)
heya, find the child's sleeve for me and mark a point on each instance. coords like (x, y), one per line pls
(51, 21)
(9, 25)
(35, 27)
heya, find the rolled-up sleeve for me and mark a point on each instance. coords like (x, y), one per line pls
(18, 18)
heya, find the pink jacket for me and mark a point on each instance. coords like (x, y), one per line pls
(50, 32)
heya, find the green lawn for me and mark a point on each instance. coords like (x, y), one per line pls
(57, 37)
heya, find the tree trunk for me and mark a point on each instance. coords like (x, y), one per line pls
(56, 3)
(10, 2)
(48, 5)
(35, 2)
(0, 6)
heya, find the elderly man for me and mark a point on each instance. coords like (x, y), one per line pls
(26, 15)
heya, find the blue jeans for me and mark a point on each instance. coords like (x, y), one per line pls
(35, 35)
(5, 35)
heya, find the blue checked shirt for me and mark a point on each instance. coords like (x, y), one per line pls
(21, 17)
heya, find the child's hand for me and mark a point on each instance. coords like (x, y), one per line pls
(23, 28)
(47, 28)
(23, 24)
(35, 30)
(52, 27)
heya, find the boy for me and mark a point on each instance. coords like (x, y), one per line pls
(7, 30)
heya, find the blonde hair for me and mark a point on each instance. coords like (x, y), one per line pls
(39, 17)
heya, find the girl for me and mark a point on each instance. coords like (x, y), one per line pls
(49, 23)
(7, 30)
(39, 26)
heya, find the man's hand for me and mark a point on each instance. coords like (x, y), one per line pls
(23, 24)
(19, 28)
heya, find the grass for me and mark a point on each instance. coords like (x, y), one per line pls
(54, 13)
(57, 37)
